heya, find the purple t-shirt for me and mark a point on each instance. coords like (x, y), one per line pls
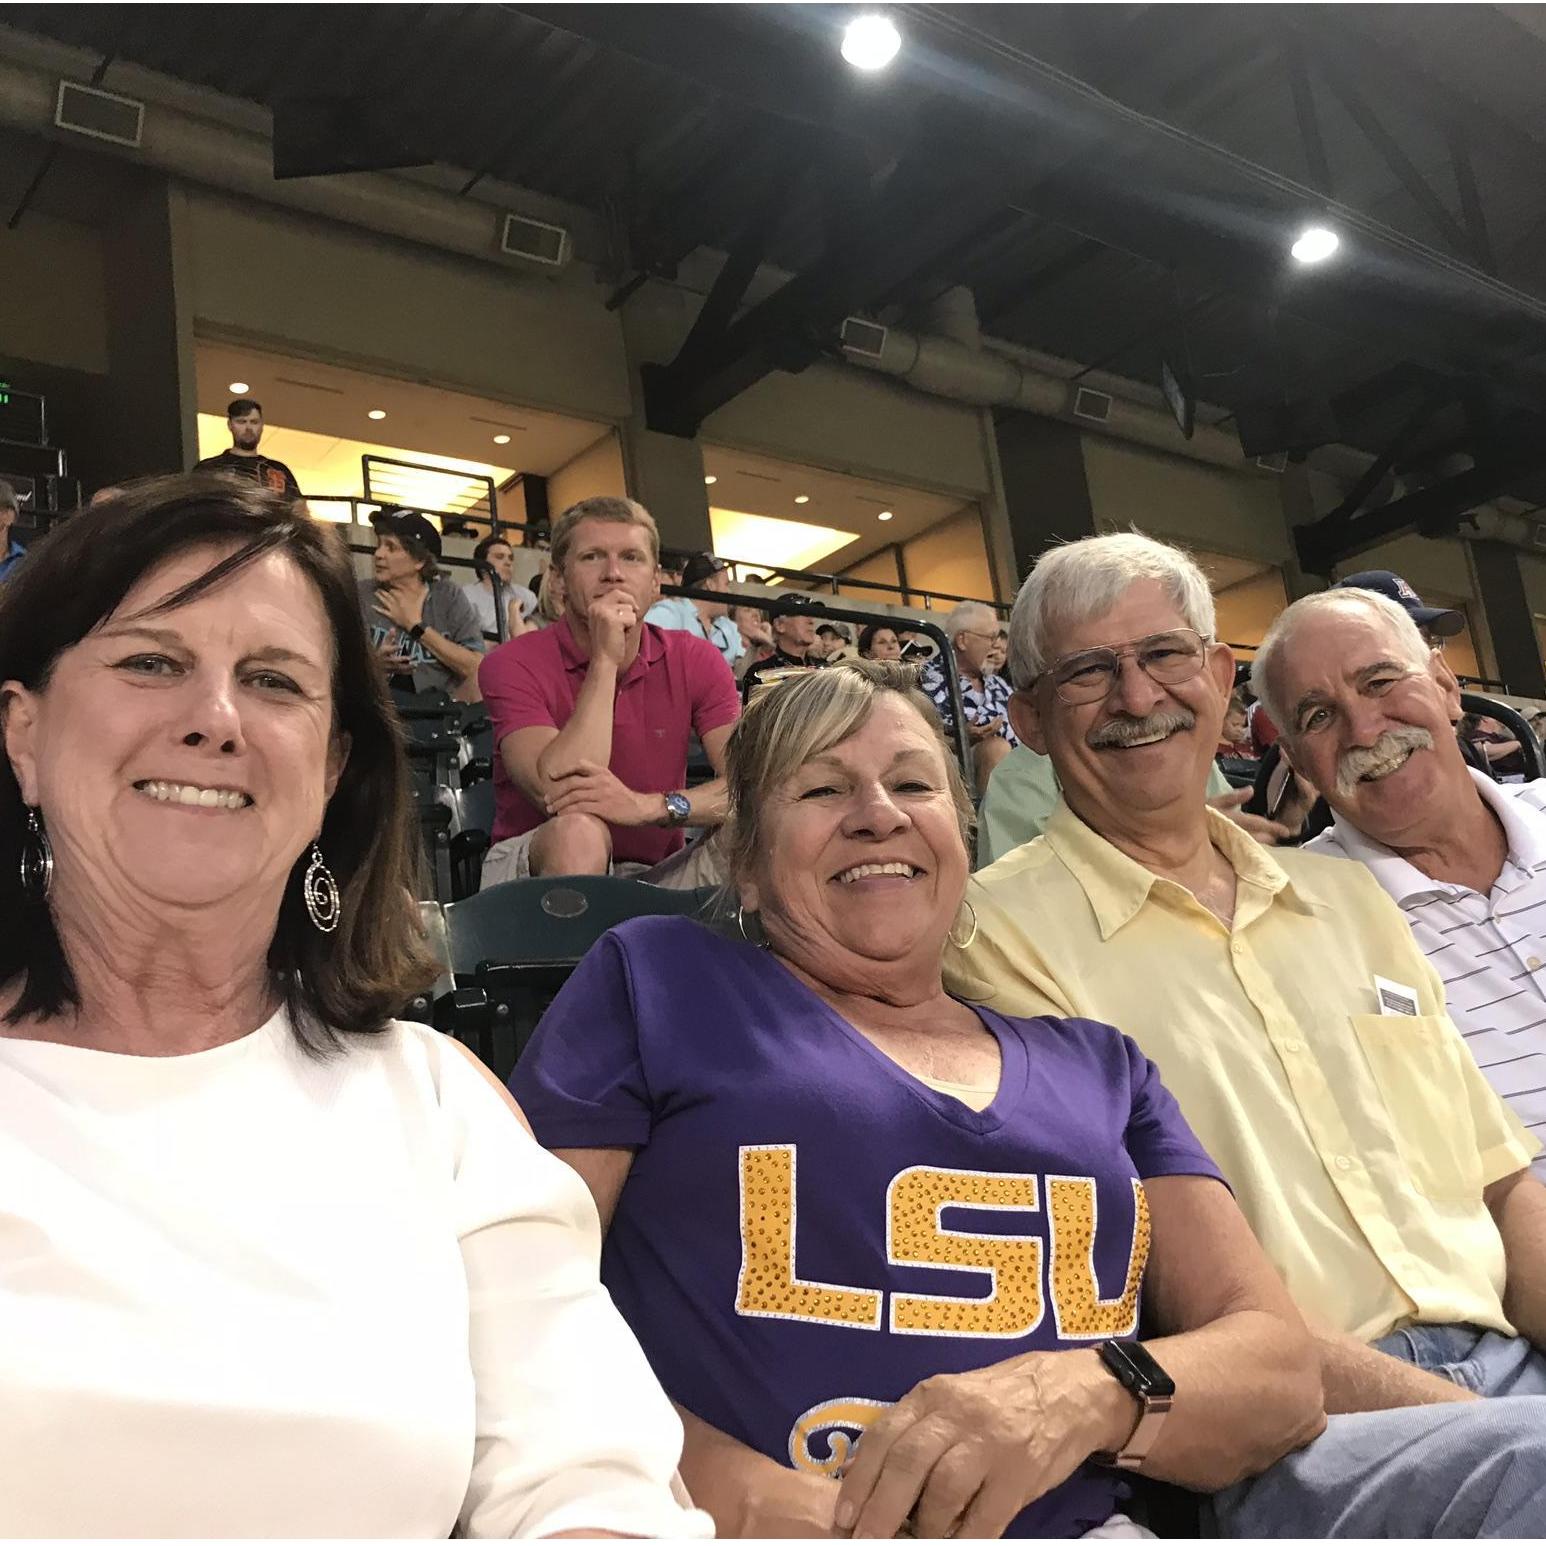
(808, 1231)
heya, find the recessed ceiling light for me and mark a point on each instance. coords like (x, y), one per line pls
(709, 477)
(870, 42)
(885, 515)
(802, 499)
(376, 413)
(239, 386)
(1315, 244)
(501, 440)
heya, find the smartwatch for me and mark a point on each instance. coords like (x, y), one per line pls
(678, 809)
(416, 632)
(1154, 1390)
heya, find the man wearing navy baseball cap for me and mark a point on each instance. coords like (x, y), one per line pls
(1434, 623)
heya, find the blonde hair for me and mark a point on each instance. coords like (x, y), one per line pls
(603, 507)
(550, 594)
(803, 716)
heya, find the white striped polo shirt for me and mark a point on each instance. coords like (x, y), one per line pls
(1490, 951)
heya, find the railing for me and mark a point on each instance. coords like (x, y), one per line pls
(742, 569)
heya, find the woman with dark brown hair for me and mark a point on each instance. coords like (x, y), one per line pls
(271, 1262)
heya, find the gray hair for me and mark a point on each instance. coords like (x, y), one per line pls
(1398, 622)
(1085, 579)
(961, 617)
(8, 499)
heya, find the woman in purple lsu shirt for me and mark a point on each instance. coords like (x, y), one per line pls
(840, 1202)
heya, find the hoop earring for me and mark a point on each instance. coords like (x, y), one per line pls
(320, 892)
(740, 923)
(37, 859)
(965, 944)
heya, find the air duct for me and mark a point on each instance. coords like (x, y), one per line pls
(991, 377)
(219, 154)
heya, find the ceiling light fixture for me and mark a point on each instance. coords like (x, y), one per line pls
(802, 499)
(870, 42)
(885, 515)
(709, 477)
(1315, 244)
(239, 386)
(376, 413)
(501, 440)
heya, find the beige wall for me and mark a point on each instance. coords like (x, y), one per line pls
(53, 300)
(342, 294)
(1185, 502)
(830, 415)
(849, 420)
(1245, 611)
(880, 567)
(596, 470)
(1428, 564)
(950, 557)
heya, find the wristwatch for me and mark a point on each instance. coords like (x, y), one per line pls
(1140, 1374)
(416, 632)
(678, 809)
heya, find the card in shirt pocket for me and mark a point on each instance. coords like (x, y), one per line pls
(1417, 1064)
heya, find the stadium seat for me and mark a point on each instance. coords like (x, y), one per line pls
(513, 946)
(474, 805)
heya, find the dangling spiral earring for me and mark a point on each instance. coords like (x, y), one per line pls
(320, 892)
(37, 859)
(965, 944)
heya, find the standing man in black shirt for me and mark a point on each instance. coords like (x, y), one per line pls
(243, 460)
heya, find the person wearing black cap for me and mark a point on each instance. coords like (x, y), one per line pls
(423, 627)
(708, 619)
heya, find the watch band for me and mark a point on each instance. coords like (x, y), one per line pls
(416, 632)
(1151, 1418)
(1135, 1369)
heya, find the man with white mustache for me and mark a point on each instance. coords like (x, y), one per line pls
(1365, 707)
(1388, 1184)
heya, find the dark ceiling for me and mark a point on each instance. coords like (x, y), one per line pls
(1116, 183)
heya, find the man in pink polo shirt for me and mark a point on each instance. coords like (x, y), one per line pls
(592, 716)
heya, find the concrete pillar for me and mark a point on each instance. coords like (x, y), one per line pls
(997, 535)
(1510, 622)
(665, 474)
(148, 421)
(1296, 488)
(1045, 491)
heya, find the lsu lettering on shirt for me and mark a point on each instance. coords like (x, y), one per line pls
(807, 1231)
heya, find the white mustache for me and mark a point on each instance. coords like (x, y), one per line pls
(1127, 732)
(1354, 764)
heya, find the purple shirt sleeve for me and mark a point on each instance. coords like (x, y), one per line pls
(1158, 1137)
(580, 1081)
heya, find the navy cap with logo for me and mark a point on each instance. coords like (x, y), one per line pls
(395, 521)
(1443, 621)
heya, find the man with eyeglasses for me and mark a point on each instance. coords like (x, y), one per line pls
(973, 630)
(1303, 1033)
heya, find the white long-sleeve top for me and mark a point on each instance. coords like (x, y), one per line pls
(245, 1292)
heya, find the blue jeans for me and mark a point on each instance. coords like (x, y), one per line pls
(1472, 1469)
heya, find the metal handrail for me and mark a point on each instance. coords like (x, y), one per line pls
(811, 607)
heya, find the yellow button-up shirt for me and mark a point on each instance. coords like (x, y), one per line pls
(1357, 1143)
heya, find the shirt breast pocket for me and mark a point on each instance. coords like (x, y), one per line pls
(1417, 1063)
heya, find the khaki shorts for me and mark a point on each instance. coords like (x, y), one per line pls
(700, 863)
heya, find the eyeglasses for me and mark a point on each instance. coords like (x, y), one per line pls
(1088, 676)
